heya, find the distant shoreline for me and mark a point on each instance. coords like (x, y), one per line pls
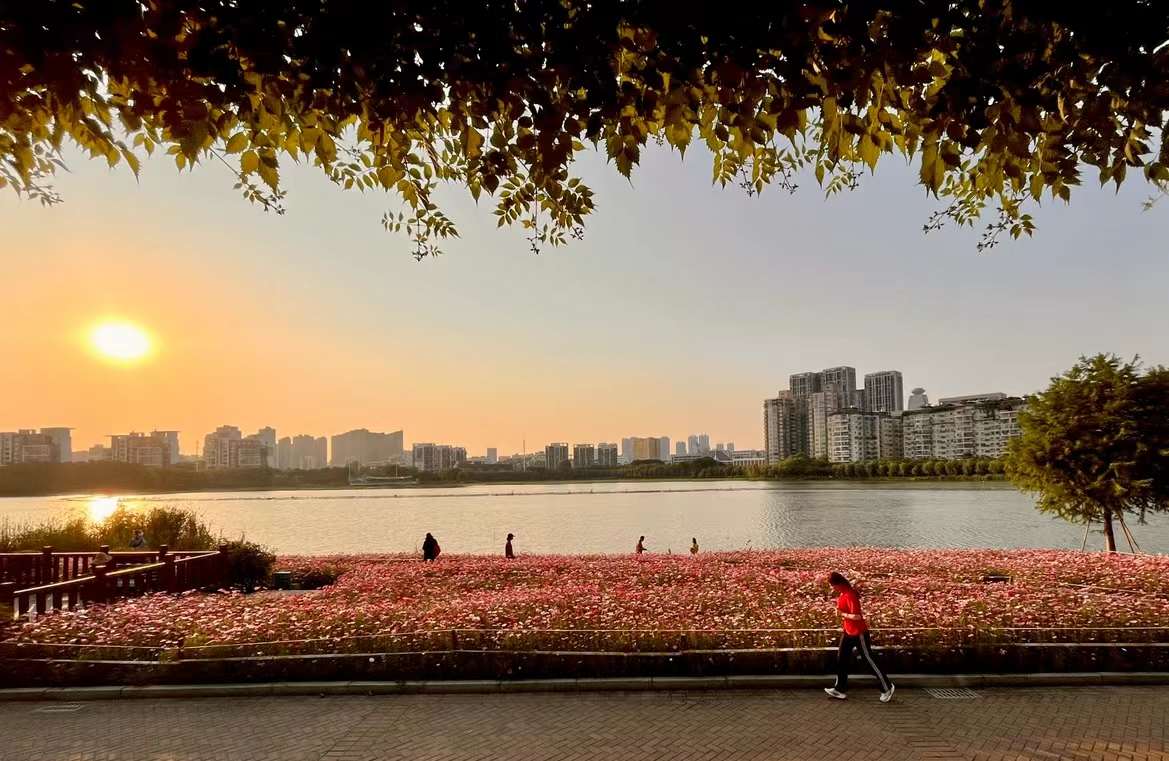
(995, 481)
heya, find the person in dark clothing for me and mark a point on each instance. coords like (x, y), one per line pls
(855, 636)
(508, 552)
(640, 545)
(139, 540)
(430, 548)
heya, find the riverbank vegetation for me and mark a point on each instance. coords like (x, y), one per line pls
(722, 600)
(178, 529)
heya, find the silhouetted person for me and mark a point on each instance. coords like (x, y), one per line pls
(508, 552)
(430, 548)
(694, 545)
(139, 540)
(640, 545)
(856, 635)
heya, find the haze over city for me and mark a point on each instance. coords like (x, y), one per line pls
(684, 306)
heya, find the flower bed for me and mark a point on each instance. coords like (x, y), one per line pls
(746, 600)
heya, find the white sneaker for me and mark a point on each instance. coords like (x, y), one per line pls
(835, 693)
(887, 696)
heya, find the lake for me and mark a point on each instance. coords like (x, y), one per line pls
(608, 517)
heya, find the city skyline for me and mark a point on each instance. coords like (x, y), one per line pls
(304, 322)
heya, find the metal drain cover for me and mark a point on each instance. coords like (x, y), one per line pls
(951, 693)
(60, 708)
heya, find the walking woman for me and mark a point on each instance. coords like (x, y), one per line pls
(430, 548)
(508, 552)
(640, 545)
(856, 635)
(693, 545)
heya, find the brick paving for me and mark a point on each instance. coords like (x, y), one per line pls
(1040, 724)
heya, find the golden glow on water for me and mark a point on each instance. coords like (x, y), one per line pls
(100, 508)
(120, 341)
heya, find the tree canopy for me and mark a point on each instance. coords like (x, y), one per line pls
(997, 102)
(1095, 444)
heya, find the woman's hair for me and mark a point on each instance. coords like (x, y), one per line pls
(837, 580)
(641, 538)
(694, 539)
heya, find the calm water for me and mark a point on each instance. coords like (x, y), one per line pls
(608, 517)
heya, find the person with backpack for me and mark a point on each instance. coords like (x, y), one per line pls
(855, 636)
(430, 548)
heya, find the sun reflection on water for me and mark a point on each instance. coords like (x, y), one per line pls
(100, 508)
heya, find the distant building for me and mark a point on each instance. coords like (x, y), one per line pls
(152, 450)
(26, 446)
(680, 449)
(607, 455)
(584, 456)
(98, 453)
(555, 455)
(63, 440)
(172, 442)
(650, 448)
(860, 436)
(842, 379)
(746, 457)
(883, 391)
(302, 453)
(979, 427)
(492, 456)
(366, 447)
(698, 444)
(731, 447)
(803, 385)
(227, 449)
(822, 404)
(917, 399)
(430, 457)
(994, 396)
(626, 450)
(784, 425)
(267, 437)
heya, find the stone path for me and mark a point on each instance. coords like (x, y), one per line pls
(1040, 724)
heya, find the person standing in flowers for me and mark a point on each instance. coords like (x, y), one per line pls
(508, 552)
(693, 545)
(856, 635)
(640, 545)
(430, 548)
(139, 540)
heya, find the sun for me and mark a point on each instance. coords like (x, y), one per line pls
(120, 341)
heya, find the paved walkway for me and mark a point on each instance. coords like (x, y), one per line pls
(1115, 723)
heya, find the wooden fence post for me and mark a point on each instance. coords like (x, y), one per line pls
(100, 585)
(110, 564)
(162, 550)
(48, 571)
(8, 599)
(223, 566)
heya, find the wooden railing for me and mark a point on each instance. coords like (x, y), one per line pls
(48, 566)
(165, 572)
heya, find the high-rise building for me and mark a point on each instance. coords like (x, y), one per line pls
(803, 385)
(841, 379)
(784, 425)
(492, 456)
(917, 399)
(438, 457)
(650, 448)
(584, 456)
(63, 440)
(859, 436)
(607, 455)
(284, 453)
(731, 447)
(627, 450)
(366, 447)
(303, 453)
(680, 449)
(153, 450)
(698, 444)
(172, 443)
(820, 405)
(267, 437)
(226, 448)
(664, 448)
(883, 391)
(978, 428)
(555, 455)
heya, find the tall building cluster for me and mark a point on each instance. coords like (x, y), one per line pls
(302, 452)
(435, 457)
(29, 445)
(823, 415)
(366, 447)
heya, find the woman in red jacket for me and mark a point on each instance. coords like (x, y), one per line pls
(856, 635)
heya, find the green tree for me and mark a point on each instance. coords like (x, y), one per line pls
(1094, 444)
(997, 102)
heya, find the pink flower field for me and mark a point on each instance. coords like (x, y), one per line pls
(384, 603)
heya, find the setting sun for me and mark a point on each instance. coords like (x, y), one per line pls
(120, 341)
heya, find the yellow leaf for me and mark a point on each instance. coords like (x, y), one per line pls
(249, 162)
(237, 143)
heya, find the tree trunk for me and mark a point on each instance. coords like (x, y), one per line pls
(1109, 537)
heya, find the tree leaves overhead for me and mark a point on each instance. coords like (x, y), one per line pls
(998, 102)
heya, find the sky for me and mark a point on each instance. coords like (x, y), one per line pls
(682, 309)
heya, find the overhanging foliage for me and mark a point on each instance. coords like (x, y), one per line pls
(996, 101)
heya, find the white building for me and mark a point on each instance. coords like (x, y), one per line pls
(227, 449)
(152, 450)
(267, 437)
(555, 455)
(784, 426)
(977, 428)
(860, 436)
(492, 456)
(63, 440)
(26, 445)
(438, 457)
(607, 455)
(918, 399)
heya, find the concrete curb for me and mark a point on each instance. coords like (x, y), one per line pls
(487, 687)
